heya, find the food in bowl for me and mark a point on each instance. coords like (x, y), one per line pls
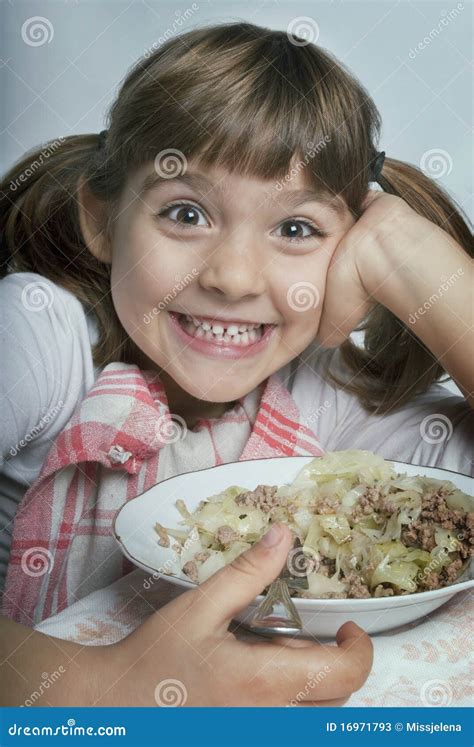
(364, 530)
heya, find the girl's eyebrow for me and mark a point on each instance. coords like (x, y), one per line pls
(203, 184)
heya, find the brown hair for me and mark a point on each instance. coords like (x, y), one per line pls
(249, 99)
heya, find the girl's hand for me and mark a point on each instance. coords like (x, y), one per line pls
(397, 258)
(390, 238)
(185, 655)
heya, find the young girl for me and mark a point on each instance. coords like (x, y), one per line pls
(179, 292)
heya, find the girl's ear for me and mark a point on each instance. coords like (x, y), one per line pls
(93, 220)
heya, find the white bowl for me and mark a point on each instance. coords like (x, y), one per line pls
(134, 531)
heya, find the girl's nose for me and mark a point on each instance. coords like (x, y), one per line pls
(233, 269)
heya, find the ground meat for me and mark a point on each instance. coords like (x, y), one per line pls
(164, 540)
(368, 503)
(327, 506)
(356, 589)
(383, 591)
(327, 595)
(263, 497)
(436, 512)
(202, 556)
(226, 535)
(419, 534)
(446, 576)
(191, 571)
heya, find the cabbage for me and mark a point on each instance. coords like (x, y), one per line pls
(399, 574)
(319, 584)
(369, 545)
(214, 562)
(337, 526)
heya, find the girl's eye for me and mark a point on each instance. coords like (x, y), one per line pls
(183, 214)
(299, 230)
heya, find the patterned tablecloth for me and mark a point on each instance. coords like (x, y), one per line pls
(427, 663)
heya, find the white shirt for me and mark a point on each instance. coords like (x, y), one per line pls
(45, 345)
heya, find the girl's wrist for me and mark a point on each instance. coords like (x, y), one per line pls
(405, 276)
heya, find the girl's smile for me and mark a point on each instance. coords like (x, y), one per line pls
(220, 338)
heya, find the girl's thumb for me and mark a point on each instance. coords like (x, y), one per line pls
(235, 586)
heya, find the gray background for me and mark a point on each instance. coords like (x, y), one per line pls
(66, 84)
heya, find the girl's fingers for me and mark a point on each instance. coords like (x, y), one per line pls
(216, 602)
(313, 672)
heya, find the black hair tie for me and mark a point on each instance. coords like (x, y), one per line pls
(377, 166)
(101, 141)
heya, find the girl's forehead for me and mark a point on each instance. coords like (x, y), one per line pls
(295, 187)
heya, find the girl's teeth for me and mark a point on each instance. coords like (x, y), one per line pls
(236, 334)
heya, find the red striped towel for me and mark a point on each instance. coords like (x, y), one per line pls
(120, 442)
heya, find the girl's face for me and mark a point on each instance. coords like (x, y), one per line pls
(245, 256)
